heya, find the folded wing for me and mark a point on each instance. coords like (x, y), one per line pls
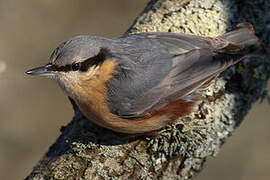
(177, 67)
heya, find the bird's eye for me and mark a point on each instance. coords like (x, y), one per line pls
(75, 66)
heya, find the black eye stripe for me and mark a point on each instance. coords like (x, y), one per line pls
(60, 68)
(96, 60)
(86, 64)
(64, 68)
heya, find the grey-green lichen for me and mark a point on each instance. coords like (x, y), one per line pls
(181, 149)
(172, 17)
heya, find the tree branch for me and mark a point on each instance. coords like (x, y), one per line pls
(87, 151)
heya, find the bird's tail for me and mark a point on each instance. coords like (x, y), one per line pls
(243, 34)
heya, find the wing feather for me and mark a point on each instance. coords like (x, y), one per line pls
(172, 66)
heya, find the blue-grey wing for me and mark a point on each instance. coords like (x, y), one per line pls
(158, 68)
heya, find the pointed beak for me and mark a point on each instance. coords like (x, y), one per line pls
(46, 71)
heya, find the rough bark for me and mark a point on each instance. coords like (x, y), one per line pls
(85, 151)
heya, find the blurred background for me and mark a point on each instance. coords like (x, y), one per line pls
(32, 110)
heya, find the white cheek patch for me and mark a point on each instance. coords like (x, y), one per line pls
(91, 73)
(68, 81)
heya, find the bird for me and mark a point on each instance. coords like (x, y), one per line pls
(139, 83)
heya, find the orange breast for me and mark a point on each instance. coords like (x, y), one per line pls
(91, 98)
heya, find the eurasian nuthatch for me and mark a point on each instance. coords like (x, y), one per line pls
(138, 83)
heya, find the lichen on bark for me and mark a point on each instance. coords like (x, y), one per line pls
(87, 151)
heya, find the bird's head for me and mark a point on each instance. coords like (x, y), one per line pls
(79, 58)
